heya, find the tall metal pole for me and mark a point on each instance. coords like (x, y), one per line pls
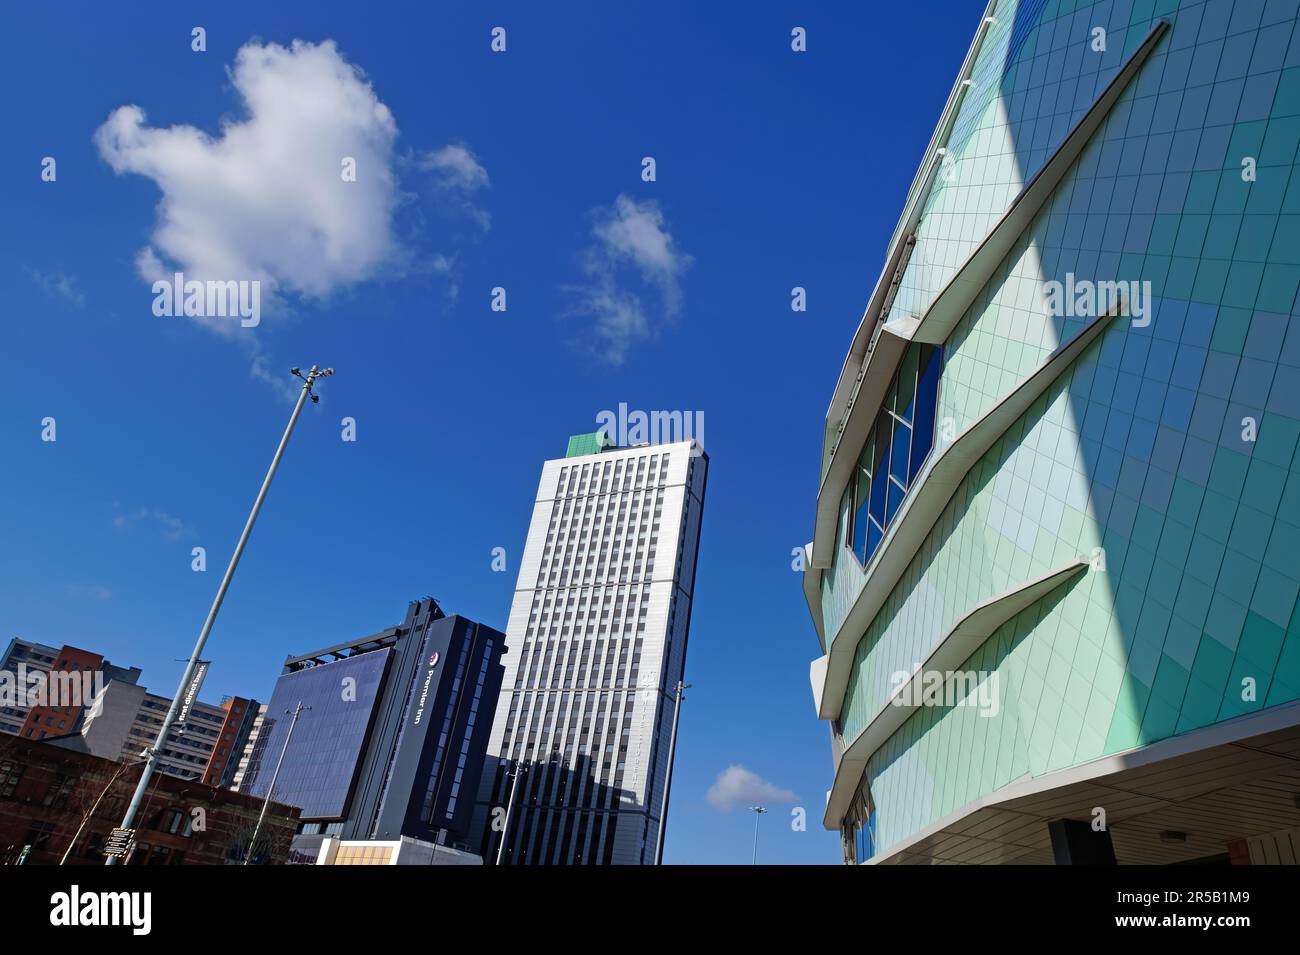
(668, 779)
(296, 711)
(510, 804)
(758, 814)
(151, 752)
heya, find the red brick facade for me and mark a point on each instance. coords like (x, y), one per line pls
(229, 744)
(59, 716)
(45, 791)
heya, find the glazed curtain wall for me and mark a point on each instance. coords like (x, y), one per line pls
(899, 444)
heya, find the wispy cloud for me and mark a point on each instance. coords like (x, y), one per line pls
(57, 285)
(447, 266)
(89, 592)
(630, 238)
(280, 381)
(457, 166)
(171, 527)
(457, 176)
(736, 787)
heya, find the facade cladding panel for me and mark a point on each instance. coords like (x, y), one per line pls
(596, 646)
(395, 736)
(1163, 454)
(437, 757)
(320, 767)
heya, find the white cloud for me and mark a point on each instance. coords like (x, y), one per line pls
(635, 231)
(89, 592)
(173, 528)
(447, 267)
(58, 285)
(457, 175)
(264, 200)
(736, 787)
(457, 167)
(629, 235)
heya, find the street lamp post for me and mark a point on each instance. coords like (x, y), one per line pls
(668, 778)
(252, 843)
(578, 690)
(758, 814)
(151, 752)
(510, 805)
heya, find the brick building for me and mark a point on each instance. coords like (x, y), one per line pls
(46, 791)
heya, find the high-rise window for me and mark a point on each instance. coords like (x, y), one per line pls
(899, 442)
(859, 831)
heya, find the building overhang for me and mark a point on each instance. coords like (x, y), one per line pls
(955, 647)
(926, 501)
(877, 348)
(901, 239)
(812, 595)
(817, 677)
(1214, 785)
(342, 651)
(877, 372)
(962, 289)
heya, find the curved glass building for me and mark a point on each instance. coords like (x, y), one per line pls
(1056, 555)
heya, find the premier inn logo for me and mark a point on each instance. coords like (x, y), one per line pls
(76, 908)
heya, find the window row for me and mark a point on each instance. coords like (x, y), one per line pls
(896, 448)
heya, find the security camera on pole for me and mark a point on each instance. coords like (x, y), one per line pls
(150, 753)
(758, 814)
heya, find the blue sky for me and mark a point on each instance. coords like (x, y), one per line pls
(774, 169)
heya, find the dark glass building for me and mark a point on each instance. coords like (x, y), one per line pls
(392, 738)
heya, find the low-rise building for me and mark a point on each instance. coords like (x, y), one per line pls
(45, 691)
(47, 792)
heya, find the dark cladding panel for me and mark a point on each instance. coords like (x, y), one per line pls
(441, 746)
(423, 699)
(321, 764)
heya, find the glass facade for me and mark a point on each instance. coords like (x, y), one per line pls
(859, 830)
(899, 443)
(321, 763)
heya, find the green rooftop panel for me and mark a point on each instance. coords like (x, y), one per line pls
(580, 444)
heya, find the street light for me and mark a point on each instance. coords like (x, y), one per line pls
(151, 752)
(758, 814)
(296, 712)
(519, 766)
(668, 778)
(505, 825)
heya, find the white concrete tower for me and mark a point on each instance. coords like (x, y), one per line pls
(596, 643)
